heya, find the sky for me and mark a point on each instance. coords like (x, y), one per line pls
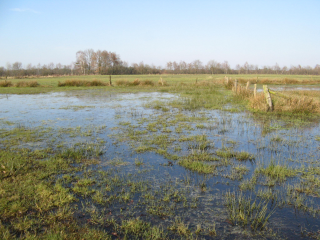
(259, 32)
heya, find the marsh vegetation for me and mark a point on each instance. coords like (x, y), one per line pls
(147, 160)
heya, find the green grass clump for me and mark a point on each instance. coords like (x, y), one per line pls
(276, 172)
(197, 166)
(225, 153)
(245, 212)
(180, 228)
(198, 155)
(138, 229)
(242, 156)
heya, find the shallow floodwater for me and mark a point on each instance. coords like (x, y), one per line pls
(106, 118)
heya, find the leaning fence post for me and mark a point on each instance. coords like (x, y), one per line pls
(236, 85)
(247, 87)
(255, 91)
(268, 97)
(161, 81)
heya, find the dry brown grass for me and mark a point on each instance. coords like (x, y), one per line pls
(27, 84)
(242, 92)
(228, 85)
(203, 83)
(5, 83)
(82, 83)
(135, 82)
(147, 83)
(276, 81)
(286, 103)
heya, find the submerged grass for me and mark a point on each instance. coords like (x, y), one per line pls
(247, 212)
(276, 172)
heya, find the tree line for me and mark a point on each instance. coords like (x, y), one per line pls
(109, 63)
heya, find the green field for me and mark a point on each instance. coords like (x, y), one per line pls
(47, 84)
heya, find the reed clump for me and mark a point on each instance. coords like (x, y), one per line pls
(27, 84)
(135, 82)
(5, 83)
(82, 83)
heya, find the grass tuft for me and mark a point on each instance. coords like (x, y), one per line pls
(82, 83)
(27, 84)
(5, 83)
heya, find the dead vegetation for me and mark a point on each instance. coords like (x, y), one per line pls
(27, 84)
(6, 83)
(285, 102)
(135, 82)
(82, 83)
(296, 102)
(276, 81)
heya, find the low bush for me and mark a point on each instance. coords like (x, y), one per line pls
(5, 83)
(27, 84)
(82, 83)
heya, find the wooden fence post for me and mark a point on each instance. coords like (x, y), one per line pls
(255, 91)
(236, 86)
(161, 81)
(268, 97)
(110, 80)
(247, 87)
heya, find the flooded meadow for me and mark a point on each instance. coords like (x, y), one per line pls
(97, 164)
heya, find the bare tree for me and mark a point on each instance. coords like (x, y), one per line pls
(17, 66)
(276, 68)
(226, 67)
(212, 65)
(81, 61)
(197, 64)
(238, 68)
(246, 67)
(176, 67)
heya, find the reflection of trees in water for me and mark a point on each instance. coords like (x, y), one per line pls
(93, 95)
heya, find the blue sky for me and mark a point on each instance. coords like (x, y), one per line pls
(155, 32)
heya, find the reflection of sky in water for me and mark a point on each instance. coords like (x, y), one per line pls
(71, 109)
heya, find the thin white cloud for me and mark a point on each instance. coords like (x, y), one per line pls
(24, 10)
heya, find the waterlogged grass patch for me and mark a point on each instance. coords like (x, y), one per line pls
(243, 156)
(245, 211)
(276, 172)
(197, 166)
